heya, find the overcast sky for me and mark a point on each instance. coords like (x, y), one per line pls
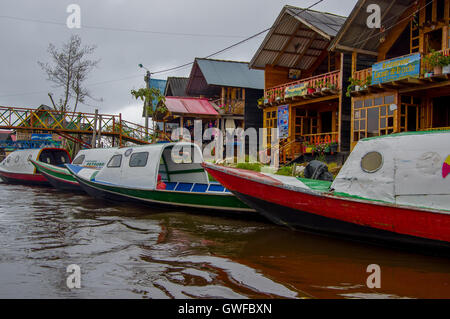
(212, 25)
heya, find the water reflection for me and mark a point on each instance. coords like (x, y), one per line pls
(131, 251)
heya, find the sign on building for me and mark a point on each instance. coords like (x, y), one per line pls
(396, 69)
(283, 121)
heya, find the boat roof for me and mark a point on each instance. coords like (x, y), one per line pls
(407, 134)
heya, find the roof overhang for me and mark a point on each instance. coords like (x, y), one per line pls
(356, 36)
(294, 41)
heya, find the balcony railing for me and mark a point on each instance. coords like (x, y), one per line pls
(316, 86)
(321, 138)
(425, 70)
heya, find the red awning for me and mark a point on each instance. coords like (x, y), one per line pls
(190, 105)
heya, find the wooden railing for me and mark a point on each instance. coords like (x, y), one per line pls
(316, 83)
(73, 123)
(362, 75)
(321, 138)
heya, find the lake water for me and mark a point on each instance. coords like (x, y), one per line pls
(133, 251)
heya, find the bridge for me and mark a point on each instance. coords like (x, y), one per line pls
(74, 125)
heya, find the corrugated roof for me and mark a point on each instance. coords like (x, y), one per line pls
(356, 35)
(176, 86)
(190, 105)
(297, 38)
(230, 73)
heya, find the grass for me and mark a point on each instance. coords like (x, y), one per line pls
(250, 166)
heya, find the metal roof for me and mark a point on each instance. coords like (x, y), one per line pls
(223, 73)
(176, 86)
(355, 35)
(297, 38)
(190, 106)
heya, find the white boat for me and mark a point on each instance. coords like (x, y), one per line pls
(59, 177)
(16, 167)
(166, 173)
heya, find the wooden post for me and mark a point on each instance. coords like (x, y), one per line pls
(99, 137)
(120, 129)
(354, 62)
(94, 131)
(181, 127)
(113, 130)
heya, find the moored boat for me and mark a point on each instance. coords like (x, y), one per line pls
(59, 176)
(16, 167)
(392, 189)
(166, 174)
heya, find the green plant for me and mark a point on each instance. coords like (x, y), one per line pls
(351, 86)
(250, 166)
(285, 171)
(261, 100)
(151, 94)
(436, 59)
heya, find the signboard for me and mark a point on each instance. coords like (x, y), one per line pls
(36, 136)
(296, 90)
(396, 69)
(295, 74)
(283, 121)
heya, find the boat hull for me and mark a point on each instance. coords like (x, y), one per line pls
(350, 218)
(225, 203)
(24, 179)
(59, 178)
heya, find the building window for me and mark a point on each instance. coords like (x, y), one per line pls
(271, 121)
(373, 117)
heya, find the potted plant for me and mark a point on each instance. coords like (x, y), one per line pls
(261, 101)
(355, 85)
(222, 109)
(446, 67)
(311, 90)
(437, 61)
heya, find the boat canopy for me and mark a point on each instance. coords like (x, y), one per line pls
(95, 157)
(406, 168)
(139, 167)
(18, 161)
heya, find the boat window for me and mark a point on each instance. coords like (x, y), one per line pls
(139, 159)
(79, 160)
(372, 162)
(115, 161)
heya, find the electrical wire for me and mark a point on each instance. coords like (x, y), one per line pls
(240, 42)
(122, 29)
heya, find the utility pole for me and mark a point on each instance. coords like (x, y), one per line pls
(146, 103)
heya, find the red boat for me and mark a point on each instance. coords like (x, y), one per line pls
(393, 189)
(17, 169)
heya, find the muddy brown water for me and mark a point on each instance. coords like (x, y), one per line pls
(133, 251)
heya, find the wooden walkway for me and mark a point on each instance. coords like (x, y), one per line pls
(68, 124)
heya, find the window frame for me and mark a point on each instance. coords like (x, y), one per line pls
(109, 162)
(137, 153)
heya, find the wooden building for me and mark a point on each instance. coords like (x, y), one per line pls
(398, 84)
(232, 87)
(303, 83)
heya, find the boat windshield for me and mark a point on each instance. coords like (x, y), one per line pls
(54, 157)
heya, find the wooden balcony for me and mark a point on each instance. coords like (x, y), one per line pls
(426, 77)
(305, 89)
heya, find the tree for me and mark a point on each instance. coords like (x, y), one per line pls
(148, 95)
(68, 70)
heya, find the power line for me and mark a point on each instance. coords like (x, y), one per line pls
(169, 69)
(238, 43)
(122, 29)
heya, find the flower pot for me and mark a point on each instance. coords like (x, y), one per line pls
(311, 90)
(317, 90)
(446, 69)
(437, 70)
(357, 88)
(222, 111)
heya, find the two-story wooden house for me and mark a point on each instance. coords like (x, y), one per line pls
(304, 83)
(233, 88)
(400, 80)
